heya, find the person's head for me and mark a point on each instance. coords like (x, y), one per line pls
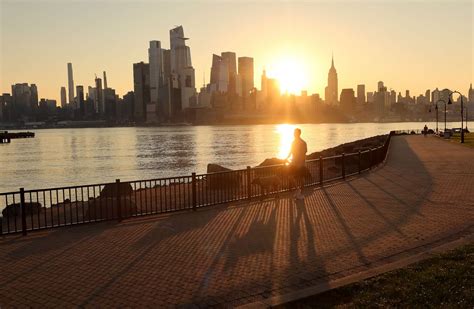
(297, 133)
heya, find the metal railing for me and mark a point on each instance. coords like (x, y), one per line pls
(29, 210)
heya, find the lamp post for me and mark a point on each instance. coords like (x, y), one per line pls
(436, 107)
(462, 111)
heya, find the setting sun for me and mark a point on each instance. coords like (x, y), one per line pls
(290, 73)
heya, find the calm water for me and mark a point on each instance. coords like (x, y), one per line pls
(60, 157)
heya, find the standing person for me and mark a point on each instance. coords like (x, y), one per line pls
(425, 130)
(297, 166)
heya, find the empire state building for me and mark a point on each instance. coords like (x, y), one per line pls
(331, 89)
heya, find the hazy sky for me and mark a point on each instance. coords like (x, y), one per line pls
(413, 45)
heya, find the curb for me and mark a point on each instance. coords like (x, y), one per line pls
(326, 286)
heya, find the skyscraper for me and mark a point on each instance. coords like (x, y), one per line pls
(219, 74)
(360, 94)
(156, 79)
(180, 53)
(246, 75)
(331, 91)
(80, 99)
(182, 71)
(348, 100)
(70, 81)
(99, 96)
(141, 87)
(105, 80)
(63, 97)
(34, 96)
(428, 96)
(229, 58)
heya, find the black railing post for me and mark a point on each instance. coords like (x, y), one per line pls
(249, 185)
(343, 167)
(360, 164)
(193, 189)
(23, 211)
(119, 198)
(321, 171)
(371, 158)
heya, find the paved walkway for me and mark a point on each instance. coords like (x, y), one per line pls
(236, 254)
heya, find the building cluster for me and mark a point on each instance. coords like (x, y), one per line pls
(164, 91)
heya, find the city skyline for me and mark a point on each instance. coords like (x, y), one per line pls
(313, 67)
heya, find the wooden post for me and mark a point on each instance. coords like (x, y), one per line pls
(193, 189)
(119, 208)
(23, 211)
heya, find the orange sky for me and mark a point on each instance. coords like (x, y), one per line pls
(409, 45)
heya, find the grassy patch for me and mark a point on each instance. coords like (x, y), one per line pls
(468, 139)
(445, 280)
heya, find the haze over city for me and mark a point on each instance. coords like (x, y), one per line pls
(409, 45)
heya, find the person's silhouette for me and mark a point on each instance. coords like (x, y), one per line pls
(297, 168)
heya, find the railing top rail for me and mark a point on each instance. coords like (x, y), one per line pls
(69, 187)
(9, 193)
(220, 173)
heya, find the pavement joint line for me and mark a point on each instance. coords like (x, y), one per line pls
(363, 275)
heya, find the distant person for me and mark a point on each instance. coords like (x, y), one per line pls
(425, 130)
(297, 168)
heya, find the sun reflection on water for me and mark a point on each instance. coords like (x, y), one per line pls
(285, 132)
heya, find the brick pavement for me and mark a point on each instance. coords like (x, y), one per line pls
(238, 253)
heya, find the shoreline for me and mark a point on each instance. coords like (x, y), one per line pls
(237, 123)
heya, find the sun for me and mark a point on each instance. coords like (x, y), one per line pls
(291, 74)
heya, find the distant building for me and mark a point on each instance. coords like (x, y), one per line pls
(331, 91)
(348, 100)
(141, 87)
(34, 97)
(219, 75)
(370, 97)
(360, 94)
(105, 80)
(110, 103)
(70, 81)
(155, 57)
(229, 58)
(182, 72)
(127, 106)
(6, 105)
(246, 75)
(63, 97)
(99, 95)
(381, 99)
(80, 100)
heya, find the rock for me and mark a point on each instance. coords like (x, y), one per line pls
(222, 178)
(110, 190)
(15, 209)
(215, 168)
(272, 161)
(106, 208)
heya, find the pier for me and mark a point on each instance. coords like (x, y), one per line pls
(6, 137)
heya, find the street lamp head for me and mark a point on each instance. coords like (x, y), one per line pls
(449, 101)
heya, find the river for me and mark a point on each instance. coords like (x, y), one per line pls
(62, 157)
